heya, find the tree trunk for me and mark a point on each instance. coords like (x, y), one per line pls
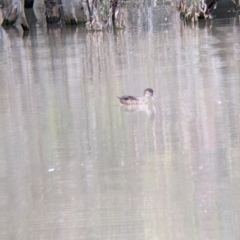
(68, 11)
(73, 12)
(13, 14)
(53, 11)
(117, 16)
(97, 14)
(210, 5)
(28, 3)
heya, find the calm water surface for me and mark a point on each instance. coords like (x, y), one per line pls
(75, 165)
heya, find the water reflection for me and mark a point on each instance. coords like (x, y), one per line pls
(74, 166)
(149, 110)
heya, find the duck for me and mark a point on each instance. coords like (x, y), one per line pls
(131, 100)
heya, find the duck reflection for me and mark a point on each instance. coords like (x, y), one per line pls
(150, 110)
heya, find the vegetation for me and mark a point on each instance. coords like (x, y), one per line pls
(95, 14)
(192, 10)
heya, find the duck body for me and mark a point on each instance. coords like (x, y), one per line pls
(131, 100)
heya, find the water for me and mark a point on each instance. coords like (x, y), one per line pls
(75, 165)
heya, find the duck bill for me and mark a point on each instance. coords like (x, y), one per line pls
(153, 96)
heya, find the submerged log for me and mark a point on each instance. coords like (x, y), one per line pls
(13, 14)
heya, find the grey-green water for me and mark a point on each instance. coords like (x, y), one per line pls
(75, 165)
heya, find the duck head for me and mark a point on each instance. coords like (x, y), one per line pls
(148, 92)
